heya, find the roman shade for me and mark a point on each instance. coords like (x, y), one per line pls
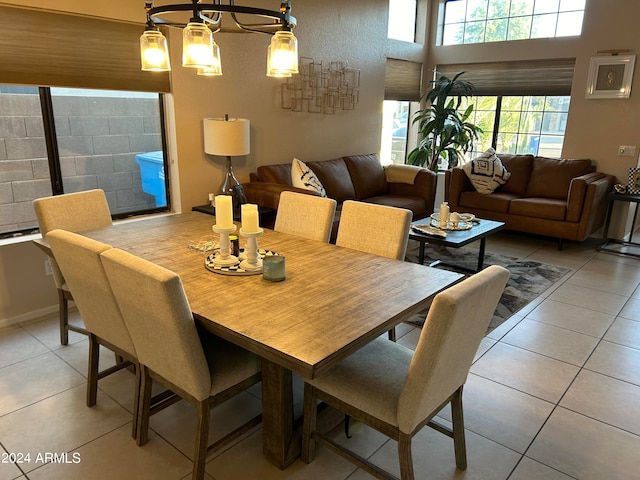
(44, 48)
(521, 77)
(402, 80)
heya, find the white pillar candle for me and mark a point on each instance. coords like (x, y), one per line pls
(224, 211)
(250, 218)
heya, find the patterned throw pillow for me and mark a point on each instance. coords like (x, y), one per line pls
(486, 172)
(303, 177)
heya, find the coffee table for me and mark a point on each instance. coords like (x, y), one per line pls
(457, 238)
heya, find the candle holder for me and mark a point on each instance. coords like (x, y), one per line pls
(252, 262)
(224, 257)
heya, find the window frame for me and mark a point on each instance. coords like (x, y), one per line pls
(54, 160)
(522, 17)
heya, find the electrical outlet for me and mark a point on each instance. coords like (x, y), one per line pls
(47, 267)
(626, 151)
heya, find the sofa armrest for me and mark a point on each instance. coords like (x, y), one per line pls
(577, 192)
(424, 186)
(595, 205)
(455, 182)
(267, 195)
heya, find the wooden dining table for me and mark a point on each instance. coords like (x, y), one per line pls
(333, 301)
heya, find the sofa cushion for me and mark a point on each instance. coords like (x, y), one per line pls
(335, 178)
(415, 204)
(303, 177)
(367, 175)
(275, 173)
(550, 177)
(519, 166)
(539, 208)
(496, 202)
(486, 172)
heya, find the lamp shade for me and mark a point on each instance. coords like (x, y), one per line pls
(226, 137)
(197, 46)
(154, 52)
(283, 54)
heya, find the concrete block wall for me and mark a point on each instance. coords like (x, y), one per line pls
(98, 139)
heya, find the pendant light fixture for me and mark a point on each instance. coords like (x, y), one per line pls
(200, 21)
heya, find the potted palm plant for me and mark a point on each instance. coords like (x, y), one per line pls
(445, 131)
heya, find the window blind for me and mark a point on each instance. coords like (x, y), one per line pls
(45, 48)
(522, 77)
(402, 80)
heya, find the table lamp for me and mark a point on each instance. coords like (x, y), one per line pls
(228, 137)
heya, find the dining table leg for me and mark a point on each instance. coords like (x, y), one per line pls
(280, 441)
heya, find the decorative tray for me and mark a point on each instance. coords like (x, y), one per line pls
(465, 222)
(235, 269)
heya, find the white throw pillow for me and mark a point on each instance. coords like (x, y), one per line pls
(303, 177)
(486, 172)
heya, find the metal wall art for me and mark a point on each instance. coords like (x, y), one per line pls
(321, 87)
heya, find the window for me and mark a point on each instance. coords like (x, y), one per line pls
(402, 20)
(395, 123)
(55, 140)
(401, 99)
(521, 124)
(480, 21)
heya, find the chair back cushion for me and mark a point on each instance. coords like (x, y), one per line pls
(280, 173)
(457, 320)
(519, 166)
(551, 177)
(158, 316)
(79, 261)
(335, 178)
(305, 215)
(367, 176)
(74, 212)
(373, 228)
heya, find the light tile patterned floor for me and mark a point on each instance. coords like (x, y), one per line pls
(554, 394)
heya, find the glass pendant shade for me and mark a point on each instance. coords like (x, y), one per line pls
(270, 71)
(284, 53)
(197, 46)
(215, 69)
(154, 53)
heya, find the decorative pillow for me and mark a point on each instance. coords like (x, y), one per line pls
(303, 177)
(486, 172)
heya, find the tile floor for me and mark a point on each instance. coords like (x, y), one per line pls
(553, 394)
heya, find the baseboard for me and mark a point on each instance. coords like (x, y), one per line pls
(29, 317)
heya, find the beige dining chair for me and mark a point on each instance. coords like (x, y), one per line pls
(170, 350)
(376, 229)
(397, 391)
(79, 261)
(73, 212)
(305, 215)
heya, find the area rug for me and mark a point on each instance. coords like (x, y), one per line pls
(527, 281)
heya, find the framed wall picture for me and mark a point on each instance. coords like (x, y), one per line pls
(610, 76)
(634, 181)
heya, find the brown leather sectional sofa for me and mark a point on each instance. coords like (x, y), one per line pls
(353, 177)
(565, 199)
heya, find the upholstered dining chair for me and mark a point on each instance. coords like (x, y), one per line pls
(376, 229)
(397, 391)
(170, 349)
(73, 212)
(79, 261)
(305, 215)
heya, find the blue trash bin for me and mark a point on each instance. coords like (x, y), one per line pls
(152, 174)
